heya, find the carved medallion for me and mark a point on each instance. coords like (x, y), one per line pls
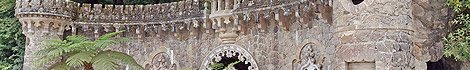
(161, 61)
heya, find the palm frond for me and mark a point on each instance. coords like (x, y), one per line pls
(102, 61)
(104, 43)
(59, 66)
(44, 51)
(58, 52)
(52, 45)
(77, 39)
(52, 40)
(124, 40)
(43, 60)
(123, 58)
(77, 59)
(107, 36)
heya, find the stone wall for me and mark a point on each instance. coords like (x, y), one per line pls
(269, 35)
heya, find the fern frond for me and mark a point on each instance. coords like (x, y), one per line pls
(43, 60)
(52, 45)
(77, 59)
(44, 51)
(123, 58)
(124, 40)
(52, 40)
(59, 52)
(102, 61)
(77, 38)
(104, 43)
(107, 36)
(59, 66)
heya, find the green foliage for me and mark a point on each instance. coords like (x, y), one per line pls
(12, 41)
(458, 5)
(219, 66)
(81, 51)
(458, 41)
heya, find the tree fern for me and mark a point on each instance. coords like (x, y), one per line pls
(59, 66)
(77, 39)
(77, 59)
(104, 43)
(122, 58)
(82, 52)
(43, 60)
(107, 36)
(52, 45)
(44, 51)
(124, 40)
(102, 61)
(53, 40)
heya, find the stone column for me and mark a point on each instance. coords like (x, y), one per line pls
(213, 6)
(219, 5)
(228, 4)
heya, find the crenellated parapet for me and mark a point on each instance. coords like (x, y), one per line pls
(45, 8)
(139, 13)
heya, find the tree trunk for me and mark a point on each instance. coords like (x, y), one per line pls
(87, 66)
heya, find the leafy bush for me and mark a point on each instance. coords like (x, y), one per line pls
(458, 41)
(12, 41)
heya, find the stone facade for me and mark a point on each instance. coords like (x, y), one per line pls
(267, 34)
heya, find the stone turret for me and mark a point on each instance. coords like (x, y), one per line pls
(42, 19)
(379, 35)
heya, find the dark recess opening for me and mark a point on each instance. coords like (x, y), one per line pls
(239, 66)
(446, 63)
(355, 2)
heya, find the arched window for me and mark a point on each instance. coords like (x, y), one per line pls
(227, 54)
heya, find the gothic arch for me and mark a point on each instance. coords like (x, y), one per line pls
(230, 51)
(161, 60)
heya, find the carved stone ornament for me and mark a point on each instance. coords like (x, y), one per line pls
(229, 50)
(311, 57)
(161, 60)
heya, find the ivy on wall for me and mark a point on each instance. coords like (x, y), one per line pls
(12, 41)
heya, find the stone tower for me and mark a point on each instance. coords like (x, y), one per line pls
(41, 19)
(381, 35)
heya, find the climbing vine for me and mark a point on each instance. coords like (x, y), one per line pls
(458, 41)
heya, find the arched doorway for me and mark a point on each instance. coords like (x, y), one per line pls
(227, 54)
